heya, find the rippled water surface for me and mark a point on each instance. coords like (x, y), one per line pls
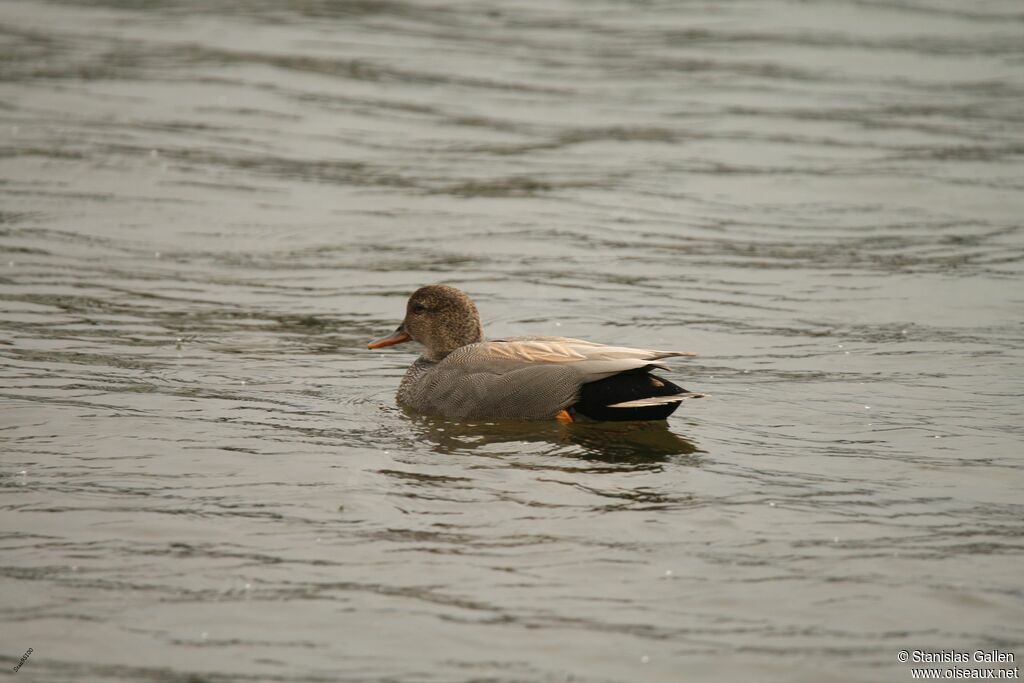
(208, 208)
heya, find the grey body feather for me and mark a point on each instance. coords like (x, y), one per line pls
(529, 378)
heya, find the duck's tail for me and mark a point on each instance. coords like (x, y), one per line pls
(633, 395)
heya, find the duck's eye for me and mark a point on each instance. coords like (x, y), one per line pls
(418, 308)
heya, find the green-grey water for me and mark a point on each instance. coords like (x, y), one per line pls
(208, 208)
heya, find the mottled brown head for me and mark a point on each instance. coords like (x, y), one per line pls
(440, 317)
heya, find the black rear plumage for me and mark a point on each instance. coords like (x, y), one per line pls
(597, 397)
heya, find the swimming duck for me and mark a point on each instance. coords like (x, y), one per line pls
(462, 376)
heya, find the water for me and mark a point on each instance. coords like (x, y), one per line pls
(208, 208)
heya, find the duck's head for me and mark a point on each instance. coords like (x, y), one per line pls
(440, 317)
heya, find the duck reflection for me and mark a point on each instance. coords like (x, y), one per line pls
(610, 442)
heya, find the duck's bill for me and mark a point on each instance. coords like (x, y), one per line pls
(396, 337)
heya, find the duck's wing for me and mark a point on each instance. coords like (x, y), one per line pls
(525, 377)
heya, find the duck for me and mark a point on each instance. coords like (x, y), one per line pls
(462, 376)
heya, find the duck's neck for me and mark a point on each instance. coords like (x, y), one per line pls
(437, 353)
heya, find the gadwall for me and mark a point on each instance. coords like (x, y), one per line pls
(462, 376)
